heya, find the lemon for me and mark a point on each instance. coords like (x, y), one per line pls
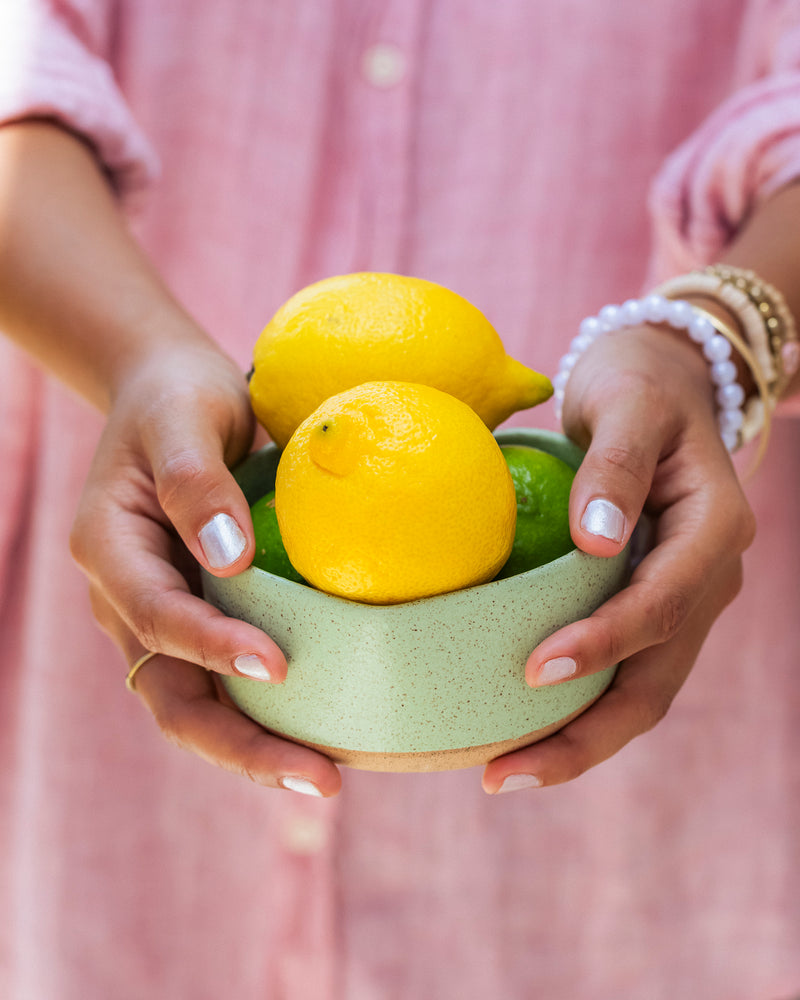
(354, 328)
(270, 551)
(542, 485)
(393, 491)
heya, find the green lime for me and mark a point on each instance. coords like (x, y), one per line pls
(270, 553)
(542, 483)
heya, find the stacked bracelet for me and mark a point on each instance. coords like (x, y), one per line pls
(762, 312)
(712, 336)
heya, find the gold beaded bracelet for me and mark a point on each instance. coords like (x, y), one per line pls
(782, 357)
(762, 313)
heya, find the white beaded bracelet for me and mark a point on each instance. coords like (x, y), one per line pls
(680, 315)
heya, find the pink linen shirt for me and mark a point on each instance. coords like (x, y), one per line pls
(542, 159)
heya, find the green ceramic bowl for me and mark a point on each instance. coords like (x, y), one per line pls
(429, 685)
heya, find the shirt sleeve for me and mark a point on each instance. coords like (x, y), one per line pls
(52, 65)
(745, 152)
(742, 154)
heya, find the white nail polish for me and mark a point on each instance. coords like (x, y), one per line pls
(557, 669)
(603, 518)
(222, 541)
(301, 785)
(515, 782)
(252, 666)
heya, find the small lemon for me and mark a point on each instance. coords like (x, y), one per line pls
(393, 491)
(542, 484)
(270, 551)
(355, 328)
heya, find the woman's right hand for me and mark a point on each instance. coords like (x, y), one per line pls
(159, 500)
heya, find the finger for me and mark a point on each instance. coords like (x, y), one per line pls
(197, 714)
(627, 709)
(128, 559)
(639, 697)
(666, 587)
(122, 541)
(630, 420)
(186, 708)
(615, 476)
(186, 627)
(183, 699)
(196, 490)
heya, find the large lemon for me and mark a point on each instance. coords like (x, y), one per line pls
(355, 328)
(393, 491)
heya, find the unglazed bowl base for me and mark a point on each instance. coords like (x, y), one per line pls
(436, 760)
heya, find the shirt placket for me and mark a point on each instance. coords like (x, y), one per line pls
(387, 67)
(305, 895)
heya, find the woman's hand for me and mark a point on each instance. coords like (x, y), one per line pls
(640, 401)
(160, 500)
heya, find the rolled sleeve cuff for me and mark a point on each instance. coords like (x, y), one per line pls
(47, 71)
(745, 152)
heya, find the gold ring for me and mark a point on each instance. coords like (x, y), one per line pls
(130, 680)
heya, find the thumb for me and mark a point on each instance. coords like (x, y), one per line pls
(614, 479)
(197, 492)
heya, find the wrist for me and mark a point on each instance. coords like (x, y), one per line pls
(163, 342)
(651, 313)
(77, 292)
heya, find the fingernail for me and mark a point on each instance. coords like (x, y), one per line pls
(252, 666)
(222, 541)
(603, 518)
(301, 785)
(557, 669)
(514, 782)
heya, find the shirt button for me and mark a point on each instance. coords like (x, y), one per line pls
(383, 65)
(304, 834)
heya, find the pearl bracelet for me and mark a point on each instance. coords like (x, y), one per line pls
(680, 315)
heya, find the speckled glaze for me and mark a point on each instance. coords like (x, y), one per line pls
(429, 685)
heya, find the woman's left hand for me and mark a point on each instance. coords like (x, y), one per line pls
(641, 402)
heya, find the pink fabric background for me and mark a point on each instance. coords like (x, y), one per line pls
(513, 161)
